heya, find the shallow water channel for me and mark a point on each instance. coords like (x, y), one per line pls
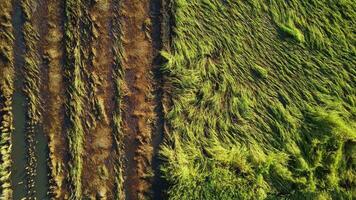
(19, 144)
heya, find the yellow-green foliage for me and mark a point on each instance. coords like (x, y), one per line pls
(31, 66)
(75, 91)
(262, 100)
(119, 79)
(6, 92)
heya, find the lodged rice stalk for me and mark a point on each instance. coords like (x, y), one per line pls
(119, 78)
(75, 93)
(261, 100)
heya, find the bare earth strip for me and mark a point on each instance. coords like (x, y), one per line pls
(55, 96)
(138, 113)
(99, 159)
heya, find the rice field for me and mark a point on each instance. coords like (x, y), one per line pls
(260, 100)
(177, 99)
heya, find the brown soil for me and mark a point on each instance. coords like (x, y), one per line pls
(139, 116)
(54, 96)
(98, 169)
(138, 112)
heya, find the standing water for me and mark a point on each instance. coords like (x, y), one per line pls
(19, 145)
(42, 178)
(18, 154)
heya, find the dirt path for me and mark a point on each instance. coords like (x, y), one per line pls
(138, 114)
(98, 168)
(55, 96)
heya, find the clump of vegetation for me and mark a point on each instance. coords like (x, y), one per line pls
(321, 24)
(6, 92)
(75, 93)
(117, 118)
(292, 31)
(289, 136)
(260, 71)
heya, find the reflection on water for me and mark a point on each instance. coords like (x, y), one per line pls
(42, 178)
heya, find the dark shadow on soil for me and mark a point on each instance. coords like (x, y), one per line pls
(42, 151)
(159, 185)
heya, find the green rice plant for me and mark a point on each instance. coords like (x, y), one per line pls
(292, 31)
(288, 134)
(260, 71)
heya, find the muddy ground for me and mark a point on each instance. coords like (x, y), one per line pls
(141, 109)
(138, 113)
(55, 96)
